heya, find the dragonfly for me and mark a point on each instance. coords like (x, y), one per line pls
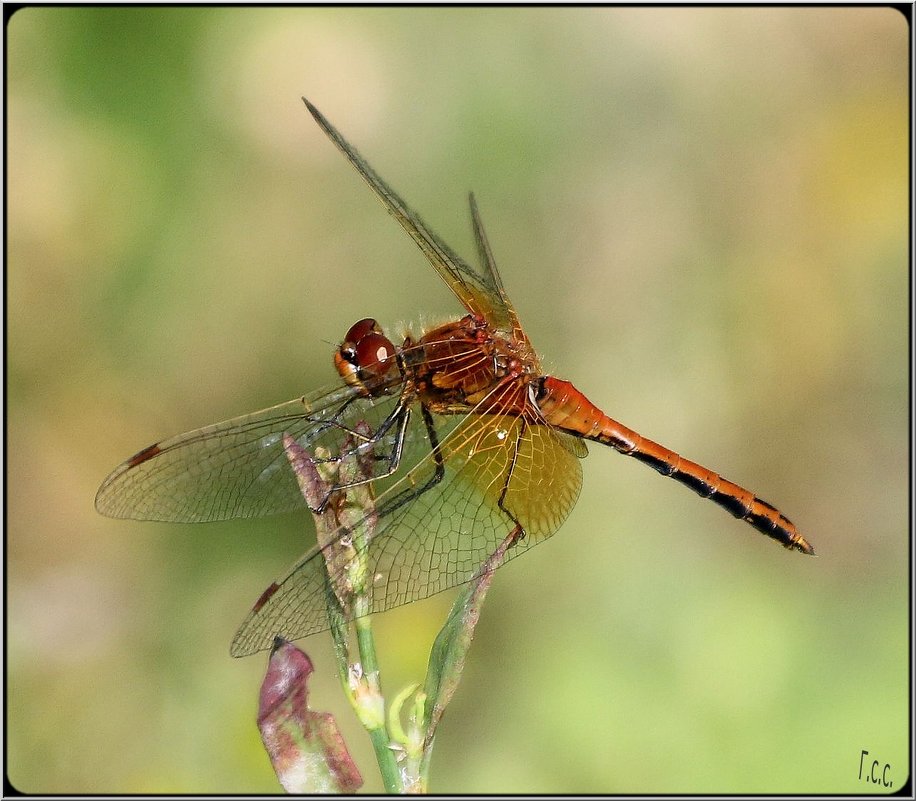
(471, 445)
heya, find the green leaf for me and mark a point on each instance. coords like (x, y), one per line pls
(446, 660)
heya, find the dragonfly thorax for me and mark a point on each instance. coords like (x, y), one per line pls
(459, 364)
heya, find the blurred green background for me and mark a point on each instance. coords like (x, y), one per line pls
(701, 216)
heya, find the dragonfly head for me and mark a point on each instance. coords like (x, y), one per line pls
(365, 357)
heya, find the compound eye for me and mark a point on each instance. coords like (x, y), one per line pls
(363, 328)
(364, 355)
(348, 353)
(374, 354)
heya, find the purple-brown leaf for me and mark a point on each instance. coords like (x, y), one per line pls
(305, 748)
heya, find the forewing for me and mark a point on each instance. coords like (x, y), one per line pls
(479, 290)
(427, 541)
(492, 276)
(238, 468)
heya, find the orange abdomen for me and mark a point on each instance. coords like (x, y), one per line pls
(566, 408)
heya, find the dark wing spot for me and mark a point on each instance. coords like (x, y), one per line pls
(145, 455)
(265, 597)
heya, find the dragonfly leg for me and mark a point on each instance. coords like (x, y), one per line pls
(401, 416)
(352, 432)
(407, 495)
(334, 422)
(518, 533)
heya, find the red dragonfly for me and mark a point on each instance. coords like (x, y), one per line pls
(471, 444)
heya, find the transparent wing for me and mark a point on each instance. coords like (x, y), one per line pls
(238, 468)
(488, 266)
(481, 290)
(427, 541)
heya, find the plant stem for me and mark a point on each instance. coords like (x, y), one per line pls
(375, 724)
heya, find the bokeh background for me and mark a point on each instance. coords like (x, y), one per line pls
(701, 216)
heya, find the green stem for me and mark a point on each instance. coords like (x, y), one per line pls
(387, 764)
(423, 771)
(375, 724)
(366, 643)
